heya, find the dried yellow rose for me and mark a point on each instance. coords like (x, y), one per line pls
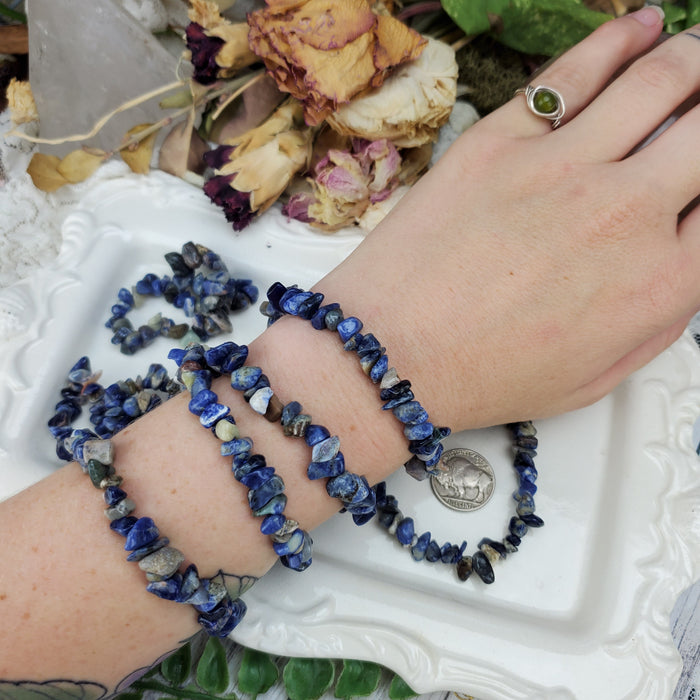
(21, 102)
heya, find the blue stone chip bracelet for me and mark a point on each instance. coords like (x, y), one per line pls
(425, 439)
(266, 497)
(200, 285)
(424, 548)
(215, 599)
(327, 461)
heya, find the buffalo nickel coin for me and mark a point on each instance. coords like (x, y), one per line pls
(466, 480)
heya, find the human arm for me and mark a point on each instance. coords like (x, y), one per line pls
(464, 366)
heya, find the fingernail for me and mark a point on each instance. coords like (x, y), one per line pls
(649, 16)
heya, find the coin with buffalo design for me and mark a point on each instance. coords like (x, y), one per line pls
(466, 480)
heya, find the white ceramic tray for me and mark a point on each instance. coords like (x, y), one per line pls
(580, 612)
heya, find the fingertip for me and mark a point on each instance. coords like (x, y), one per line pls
(649, 16)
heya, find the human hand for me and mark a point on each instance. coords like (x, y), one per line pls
(531, 270)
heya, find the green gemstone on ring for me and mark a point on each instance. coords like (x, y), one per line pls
(545, 102)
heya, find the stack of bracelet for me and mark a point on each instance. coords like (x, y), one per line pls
(424, 439)
(215, 599)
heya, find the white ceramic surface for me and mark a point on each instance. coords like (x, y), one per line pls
(580, 612)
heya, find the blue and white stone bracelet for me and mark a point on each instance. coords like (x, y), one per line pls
(327, 461)
(200, 285)
(266, 497)
(215, 599)
(424, 547)
(424, 439)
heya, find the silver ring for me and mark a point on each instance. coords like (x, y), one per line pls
(545, 102)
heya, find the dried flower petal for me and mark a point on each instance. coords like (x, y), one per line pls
(138, 155)
(325, 52)
(78, 165)
(204, 13)
(20, 100)
(235, 204)
(43, 169)
(411, 105)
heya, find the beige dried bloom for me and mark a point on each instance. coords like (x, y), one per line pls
(20, 100)
(411, 105)
(325, 52)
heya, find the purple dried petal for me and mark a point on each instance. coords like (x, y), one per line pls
(298, 207)
(235, 204)
(218, 157)
(204, 50)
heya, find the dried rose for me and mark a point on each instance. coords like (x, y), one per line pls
(345, 183)
(218, 48)
(20, 100)
(411, 105)
(325, 52)
(252, 174)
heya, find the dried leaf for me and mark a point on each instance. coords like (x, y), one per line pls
(21, 101)
(43, 169)
(78, 165)
(138, 155)
(179, 99)
(182, 150)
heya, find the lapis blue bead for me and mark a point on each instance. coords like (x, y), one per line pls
(177, 355)
(315, 434)
(325, 449)
(143, 531)
(333, 318)
(148, 335)
(517, 527)
(405, 531)
(318, 320)
(482, 567)
(411, 412)
(433, 552)
(236, 446)
(272, 523)
(527, 474)
(131, 343)
(274, 294)
(123, 525)
(307, 308)
(82, 363)
(419, 549)
(168, 589)
(147, 549)
(368, 344)
(131, 407)
(348, 327)
(292, 545)
(398, 390)
(194, 353)
(214, 288)
(245, 463)
(301, 560)
(368, 361)
(126, 297)
(527, 443)
(235, 360)
(216, 356)
(352, 342)
(522, 460)
(189, 584)
(363, 518)
(363, 506)
(347, 487)
(419, 431)
(379, 369)
(213, 413)
(245, 377)
(119, 310)
(221, 621)
(177, 263)
(145, 285)
(525, 487)
(198, 403)
(188, 304)
(264, 493)
(328, 469)
(514, 540)
(274, 506)
(449, 553)
(290, 412)
(113, 494)
(526, 505)
(386, 518)
(532, 520)
(201, 380)
(495, 545)
(256, 478)
(380, 492)
(60, 432)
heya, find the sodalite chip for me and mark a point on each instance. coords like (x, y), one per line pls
(143, 532)
(260, 400)
(245, 377)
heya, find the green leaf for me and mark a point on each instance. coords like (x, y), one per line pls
(257, 673)
(176, 668)
(400, 690)
(212, 668)
(547, 27)
(357, 678)
(307, 679)
(674, 17)
(693, 13)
